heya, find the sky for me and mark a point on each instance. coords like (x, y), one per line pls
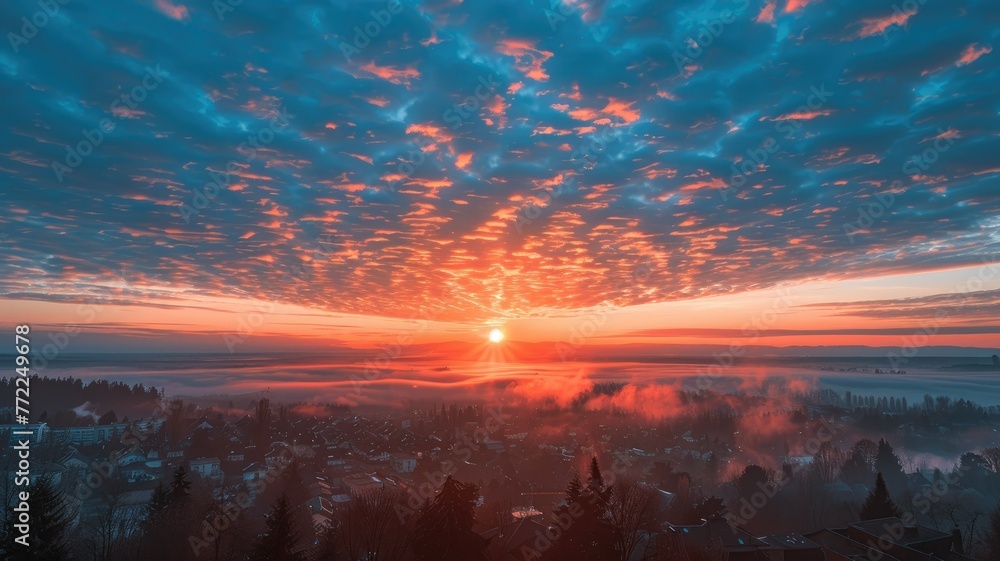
(230, 177)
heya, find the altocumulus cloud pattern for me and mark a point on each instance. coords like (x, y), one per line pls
(519, 157)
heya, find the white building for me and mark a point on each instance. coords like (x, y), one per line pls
(207, 467)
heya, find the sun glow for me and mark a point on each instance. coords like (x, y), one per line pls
(496, 335)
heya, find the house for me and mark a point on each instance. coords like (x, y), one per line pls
(38, 432)
(403, 463)
(359, 483)
(133, 504)
(206, 467)
(839, 547)
(254, 472)
(54, 472)
(905, 541)
(131, 457)
(737, 544)
(792, 548)
(517, 541)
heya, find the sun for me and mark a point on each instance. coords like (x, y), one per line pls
(495, 335)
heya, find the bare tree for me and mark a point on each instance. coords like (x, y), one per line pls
(633, 509)
(827, 462)
(371, 528)
(113, 530)
(496, 514)
(992, 456)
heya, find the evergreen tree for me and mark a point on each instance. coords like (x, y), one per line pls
(879, 504)
(444, 528)
(180, 487)
(582, 529)
(328, 544)
(887, 463)
(174, 519)
(280, 541)
(108, 418)
(51, 518)
(157, 504)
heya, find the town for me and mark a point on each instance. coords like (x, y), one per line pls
(721, 476)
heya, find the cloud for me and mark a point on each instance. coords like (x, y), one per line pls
(425, 164)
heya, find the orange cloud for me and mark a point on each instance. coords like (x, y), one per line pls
(972, 53)
(766, 14)
(877, 26)
(178, 12)
(392, 74)
(622, 110)
(795, 5)
(528, 59)
(800, 116)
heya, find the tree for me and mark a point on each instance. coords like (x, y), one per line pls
(175, 510)
(992, 456)
(633, 509)
(280, 541)
(371, 528)
(109, 531)
(991, 540)
(827, 462)
(180, 487)
(108, 418)
(753, 479)
(996, 360)
(158, 502)
(328, 544)
(860, 464)
(263, 417)
(888, 464)
(584, 532)
(879, 504)
(50, 523)
(444, 528)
